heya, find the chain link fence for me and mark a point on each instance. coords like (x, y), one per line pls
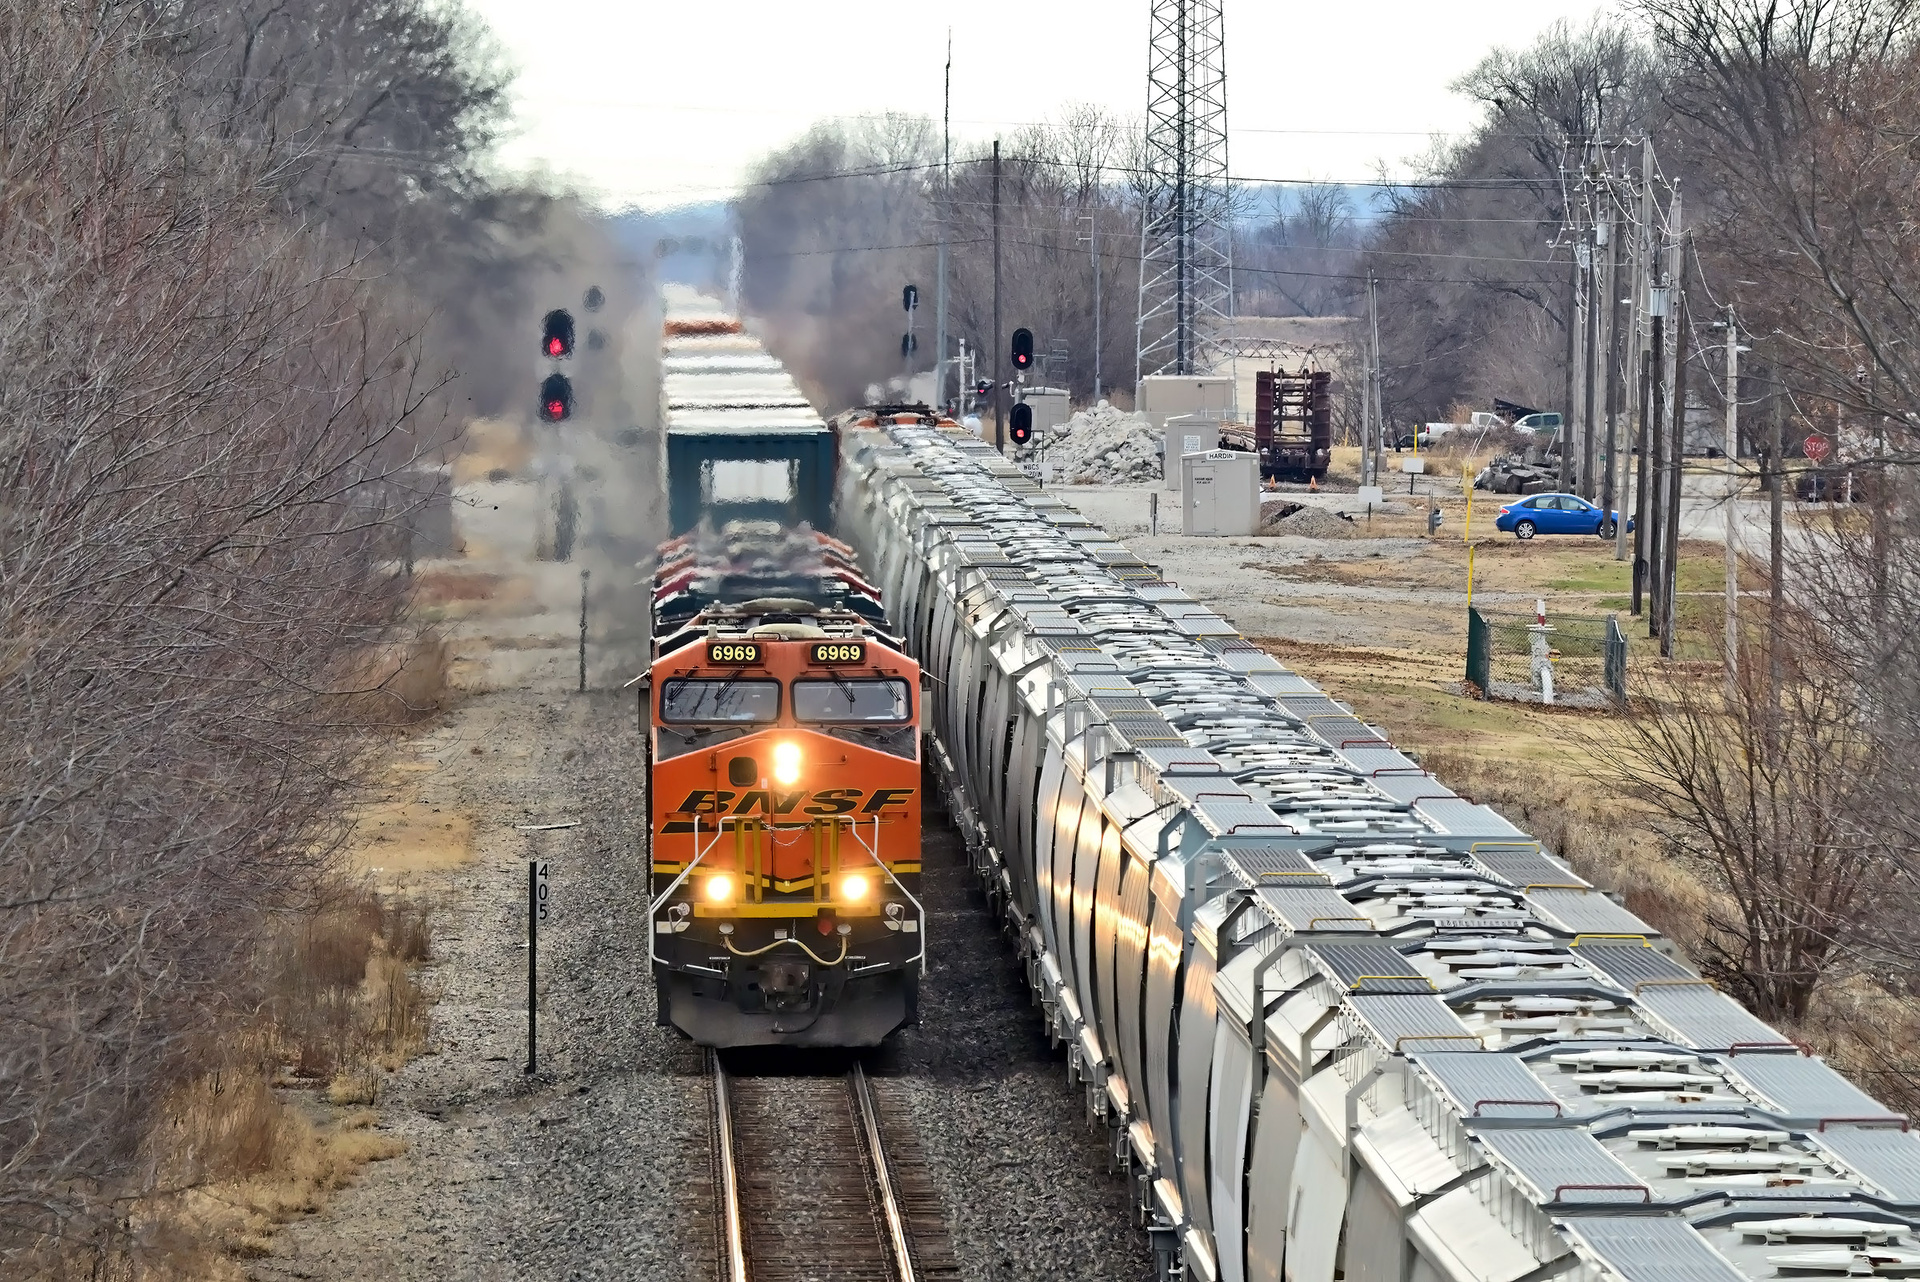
(1585, 656)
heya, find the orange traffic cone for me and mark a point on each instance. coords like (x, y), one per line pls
(1313, 485)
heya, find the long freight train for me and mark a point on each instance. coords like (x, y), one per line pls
(783, 721)
(1339, 1021)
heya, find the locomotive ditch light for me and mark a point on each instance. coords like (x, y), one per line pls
(719, 889)
(786, 763)
(854, 887)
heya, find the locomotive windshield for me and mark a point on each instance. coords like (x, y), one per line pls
(852, 699)
(714, 699)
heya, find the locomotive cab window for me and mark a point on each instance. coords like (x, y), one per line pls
(852, 699)
(716, 699)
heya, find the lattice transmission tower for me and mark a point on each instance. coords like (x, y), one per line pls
(1186, 256)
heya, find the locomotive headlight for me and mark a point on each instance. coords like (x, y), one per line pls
(719, 888)
(854, 887)
(786, 763)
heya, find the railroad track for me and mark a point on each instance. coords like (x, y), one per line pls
(806, 1188)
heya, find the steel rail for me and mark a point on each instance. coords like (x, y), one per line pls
(735, 1227)
(883, 1176)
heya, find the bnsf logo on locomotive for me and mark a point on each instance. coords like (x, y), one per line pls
(741, 652)
(838, 652)
(773, 801)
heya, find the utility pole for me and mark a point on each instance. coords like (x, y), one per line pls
(1775, 539)
(999, 424)
(1372, 429)
(946, 212)
(1093, 255)
(1732, 451)
(1639, 362)
(1093, 252)
(1379, 397)
(1610, 499)
(1642, 531)
(1682, 332)
(1589, 401)
(1573, 361)
(1647, 567)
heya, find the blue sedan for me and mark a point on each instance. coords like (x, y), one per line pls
(1556, 514)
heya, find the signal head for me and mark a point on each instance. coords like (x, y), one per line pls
(556, 334)
(1020, 423)
(1023, 348)
(556, 398)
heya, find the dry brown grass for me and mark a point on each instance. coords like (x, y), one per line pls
(1608, 841)
(241, 1161)
(280, 1127)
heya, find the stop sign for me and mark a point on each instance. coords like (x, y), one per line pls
(1816, 447)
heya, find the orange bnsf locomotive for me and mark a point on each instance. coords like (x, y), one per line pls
(785, 795)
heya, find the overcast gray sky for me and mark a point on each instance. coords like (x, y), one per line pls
(656, 103)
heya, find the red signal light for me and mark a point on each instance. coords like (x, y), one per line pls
(556, 334)
(556, 398)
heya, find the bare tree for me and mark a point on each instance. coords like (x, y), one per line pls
(1473, 279)
(205, 432)
(1304, 259)
(1767, 793)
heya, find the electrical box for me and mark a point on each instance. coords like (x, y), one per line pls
(1220, 492)
(1186, 434)
(1163, 394)
(1049, 405)
(1202, 402)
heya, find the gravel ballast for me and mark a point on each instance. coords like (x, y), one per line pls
(597, 1165)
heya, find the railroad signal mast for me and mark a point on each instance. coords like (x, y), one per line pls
(556, 398)
(1020, 417)
(556, 343)
(1020, 423)
(1022, 350)
(556, 334)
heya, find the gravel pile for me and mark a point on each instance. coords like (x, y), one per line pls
(1100, 446)
(1312, 523)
